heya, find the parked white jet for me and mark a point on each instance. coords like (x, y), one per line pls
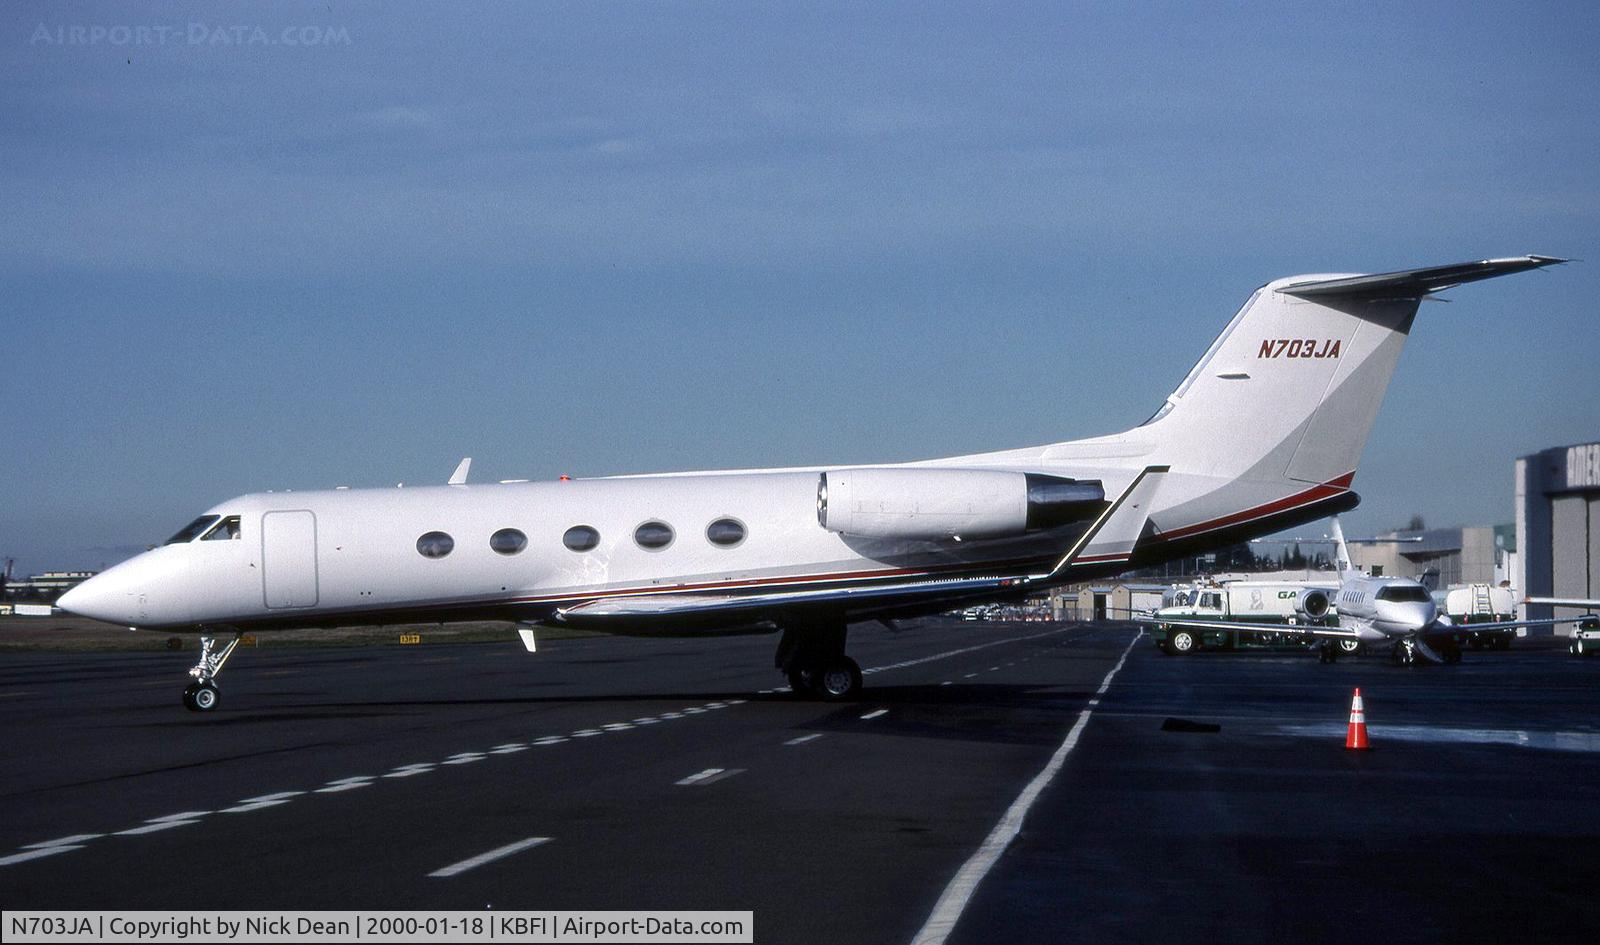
(1264, 433)
(1359, 609)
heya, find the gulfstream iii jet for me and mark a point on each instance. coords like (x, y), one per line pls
(1264, 433)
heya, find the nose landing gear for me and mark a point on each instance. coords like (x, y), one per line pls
(201, 695)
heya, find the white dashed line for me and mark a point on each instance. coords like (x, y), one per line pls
(406, 771)
(874, 714)
(34, 855)
(73, 842)
(969, 675)
(550, 740)
(617, 726)
(347, 784)
(708, 776)
(672, 715)
(257, 803)
(648, 720)
(587, 733)
(465, 758)
(510, 748)
(497, 853)
(157, 824)
(803, 739)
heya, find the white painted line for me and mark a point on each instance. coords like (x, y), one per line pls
(672, 715)
(956, 895)
(76, 840)
(993, 668)
(945, 683)
(647, 720)
(803, 739)
(550, 740)
(498, 853)
(874, 714)
(693, 710)
(153, 827)
(406, 771)
(587, 733)
(969, 675)
(966, 649)
(510, 748)
(737, 701)
(697, 778)
(347, 784)
(716, 705)
(465, 758)
(34, 855)
(257, 803)
(617, 726)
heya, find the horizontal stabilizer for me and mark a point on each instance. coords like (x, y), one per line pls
(1416, 283)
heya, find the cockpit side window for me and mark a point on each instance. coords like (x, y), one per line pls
(1404, 594)
(193, 529)
(225, 530)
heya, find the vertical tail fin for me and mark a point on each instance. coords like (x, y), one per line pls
(1291, 387)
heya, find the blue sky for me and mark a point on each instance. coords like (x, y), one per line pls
(605, 238)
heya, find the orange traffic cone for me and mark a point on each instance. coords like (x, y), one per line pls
(1356, 737)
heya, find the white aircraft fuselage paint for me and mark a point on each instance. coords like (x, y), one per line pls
(1265, 432)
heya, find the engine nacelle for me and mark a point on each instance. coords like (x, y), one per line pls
(1312, 603)
(934, 504)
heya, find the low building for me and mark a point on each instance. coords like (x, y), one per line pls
(1440, 557)
(1558, 525)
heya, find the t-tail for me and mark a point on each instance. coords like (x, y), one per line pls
(1288, 392)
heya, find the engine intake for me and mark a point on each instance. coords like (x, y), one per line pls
(935, 504)
(1312, 602)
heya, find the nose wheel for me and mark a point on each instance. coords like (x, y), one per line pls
(201, 695)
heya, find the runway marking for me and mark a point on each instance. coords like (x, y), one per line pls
(672, 715)
(693, 710)
(945, 683)
(617, 726)
(406, 771)
(550, 740)
(803, 739)
(498, 853)
(708, 776)
(34, 855)
(509, 748)
(156, 824)
(959, 892)
(587, 733)
(72, 842)
(465, 758)
(257, 803)
(969, 675)
(874, 714)
(966, 649)
(347, 784)
(647, 720)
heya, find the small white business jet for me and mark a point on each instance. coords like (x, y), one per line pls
(1360, 609)
(1264, 433)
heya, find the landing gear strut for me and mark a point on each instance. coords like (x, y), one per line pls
(201, 695)
(812, 656)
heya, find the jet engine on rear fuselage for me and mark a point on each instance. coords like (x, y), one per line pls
(1311, 603)
(936, 504)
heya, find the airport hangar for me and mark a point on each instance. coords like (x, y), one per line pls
(1558, 525)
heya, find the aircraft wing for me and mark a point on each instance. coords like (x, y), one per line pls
(1416, 283)
(666, 605)
(1309, 630)
(1587, 621)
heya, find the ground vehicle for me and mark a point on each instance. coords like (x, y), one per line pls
(1273, 603)
(1481, 603)
(1585, 638)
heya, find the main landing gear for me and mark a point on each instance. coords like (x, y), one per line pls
(812, 656)
(201, 695)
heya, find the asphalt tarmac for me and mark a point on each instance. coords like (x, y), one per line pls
(613, 773)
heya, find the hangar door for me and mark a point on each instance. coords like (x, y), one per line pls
(289, 559)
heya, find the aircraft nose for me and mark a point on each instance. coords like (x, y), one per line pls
(98, 599)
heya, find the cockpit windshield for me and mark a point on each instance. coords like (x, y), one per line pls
(225, 530)
(193, 529)
(1406, 594)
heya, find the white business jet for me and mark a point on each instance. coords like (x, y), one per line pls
(1360, 609)
(1264, 433)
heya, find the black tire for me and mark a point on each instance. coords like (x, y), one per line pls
(802, 681)
(839, 679)
(1182, 642)
(188, 697)
(205, 697)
